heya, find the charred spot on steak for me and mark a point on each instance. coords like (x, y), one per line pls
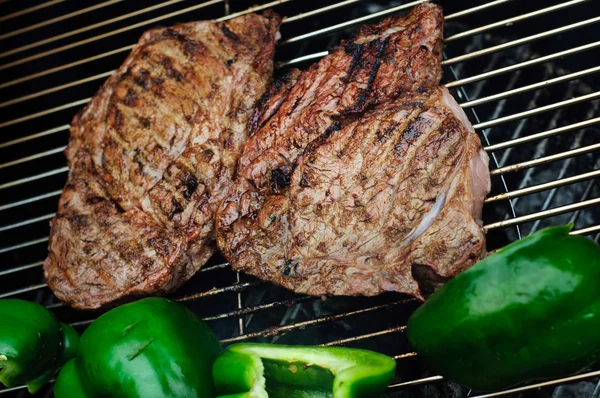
(280, 178)
(191, 183)
(230, 34)
(290, 267)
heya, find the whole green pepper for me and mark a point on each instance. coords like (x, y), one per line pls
(149, 348)
(269, 370)
(33, 344)
(529, 311)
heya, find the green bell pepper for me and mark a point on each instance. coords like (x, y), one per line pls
(33, 344)
(149, 348)
(268, 370)
(529, 311)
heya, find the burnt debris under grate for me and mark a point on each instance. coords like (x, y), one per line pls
(525, 72)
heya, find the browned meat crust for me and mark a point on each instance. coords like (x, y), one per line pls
(335, 195)
(152, 156)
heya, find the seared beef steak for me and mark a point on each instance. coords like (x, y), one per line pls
(152, 156)
(342, 192)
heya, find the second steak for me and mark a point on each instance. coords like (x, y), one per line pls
(360, 176)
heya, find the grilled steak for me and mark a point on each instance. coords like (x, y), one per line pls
(360, 176)
(152, 156)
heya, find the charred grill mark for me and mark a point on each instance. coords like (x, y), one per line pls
(304, 181)
(356, 50)
(176, 209)
(118, 123)
(170, 32)
(145, 122)
(228, 33)
(191, 47)
(130, 98)
(360, 103)
(161, 245)
(93, 199)
(294, 105)
(143, 79)
(280, 178)
(290, 267)
(382, 135)
(320, 140)
(284, 83)
(172, 72)
(412, 131)
(191, 183)
(137, 158)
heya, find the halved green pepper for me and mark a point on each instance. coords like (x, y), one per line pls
(529, 311)
(33, 344)
(268, 370)
(149, 348)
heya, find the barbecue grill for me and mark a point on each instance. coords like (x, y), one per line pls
(524, 71)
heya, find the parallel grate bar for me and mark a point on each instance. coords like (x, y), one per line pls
(33, 157)
(522, 65)
(33, 136)
(510, 21)
(29, 10)
(543, 214)
(275, 331)
(564, 380)
(23, 290)
(57, 19)
(44, 113)
(365, 336)
(530, 87)
(543, 187)
(252, 9)
(22, 245)
(30, 200)
(27, 222)
(545, 159)
(476, 9)
(65, 66)
(417, 382)
(587, 231)
(88, 27)
(535, 111)
(542, 135)
(34, 177)
(102, 36)
(521, 41)
(56, 88)
(21, 268)
(351, 22)
(318, 11)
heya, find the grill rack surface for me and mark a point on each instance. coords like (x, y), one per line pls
(524, 71)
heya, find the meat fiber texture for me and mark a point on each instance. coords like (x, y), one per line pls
(152, 156)
(361, 176)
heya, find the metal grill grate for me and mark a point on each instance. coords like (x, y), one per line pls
(524, 71)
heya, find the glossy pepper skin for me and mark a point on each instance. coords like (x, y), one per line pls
(529, 311)
(280, 371)
(149, 348)
(33, 344)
